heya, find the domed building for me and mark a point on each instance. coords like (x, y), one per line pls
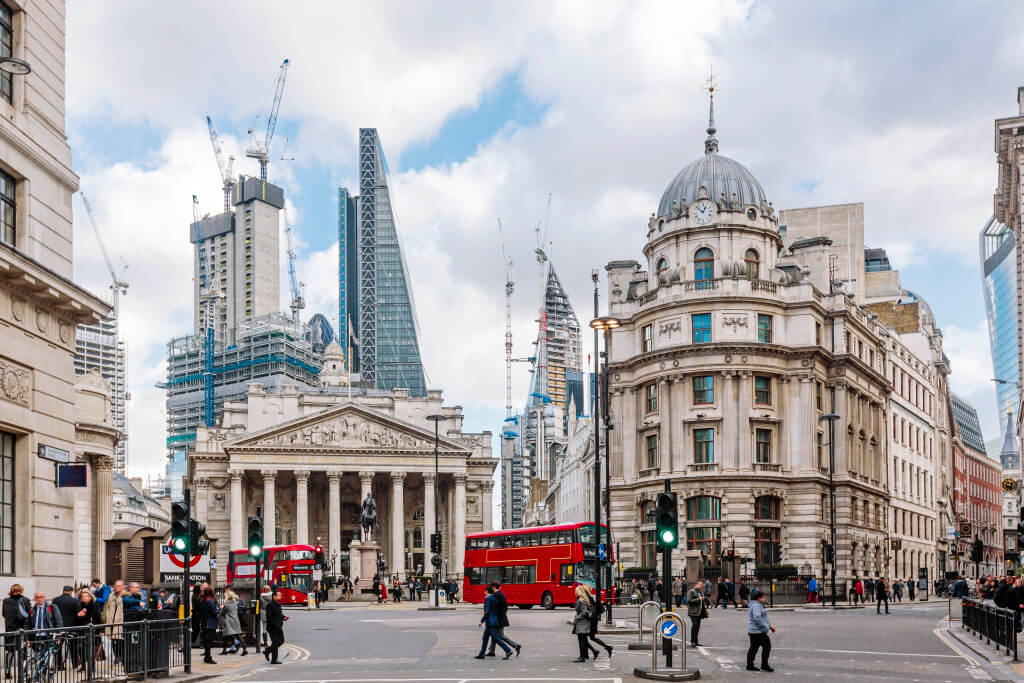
(732, 353)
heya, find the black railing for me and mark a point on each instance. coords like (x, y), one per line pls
(994, 624)
(147, 648)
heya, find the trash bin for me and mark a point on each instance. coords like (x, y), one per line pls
(152, 640)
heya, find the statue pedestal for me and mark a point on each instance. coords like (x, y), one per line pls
(362, 566)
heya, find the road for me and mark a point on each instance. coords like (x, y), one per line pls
(399, 643)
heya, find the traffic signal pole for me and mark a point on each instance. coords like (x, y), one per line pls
(186, 596)
(666, 571)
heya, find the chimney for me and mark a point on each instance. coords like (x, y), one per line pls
(137, 483)
(812, 253)
(1020, 99)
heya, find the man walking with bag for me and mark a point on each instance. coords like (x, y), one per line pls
(275, 628)
(696, 607)
(502, 611)
(758, 627)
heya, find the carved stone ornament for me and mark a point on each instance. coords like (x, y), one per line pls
(346, 432)
(65, 333)
(735, 321)
(669, 326)
(18, 309)
(218, 502)
(472, 506)
(42, 320)
(15, 383)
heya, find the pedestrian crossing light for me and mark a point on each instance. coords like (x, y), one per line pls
(667, 532)
(179, 527)
(255, 537)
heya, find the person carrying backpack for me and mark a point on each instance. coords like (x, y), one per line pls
(101, 592)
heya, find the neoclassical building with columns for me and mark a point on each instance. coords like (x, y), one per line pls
(305, 460)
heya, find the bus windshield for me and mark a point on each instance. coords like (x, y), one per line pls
(586, 534)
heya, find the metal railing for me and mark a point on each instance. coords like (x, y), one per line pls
(140, 649)
(994, 624)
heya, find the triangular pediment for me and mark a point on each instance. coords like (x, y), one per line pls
(348, 426)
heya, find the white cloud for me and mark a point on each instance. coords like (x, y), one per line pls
(968, 351)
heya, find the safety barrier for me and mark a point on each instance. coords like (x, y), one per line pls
(994, 624)
(639, 644)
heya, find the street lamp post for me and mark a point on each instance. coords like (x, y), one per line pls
(831, 418)
(436, 558)
(605, 324)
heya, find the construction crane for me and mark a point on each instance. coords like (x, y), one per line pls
(117, 285)
(260, 150)
(225, 167)
(298, 301)
(208, 298)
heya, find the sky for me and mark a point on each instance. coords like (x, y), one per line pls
(486, 109)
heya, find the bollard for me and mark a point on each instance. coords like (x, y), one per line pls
(667, 674)
(310, 601)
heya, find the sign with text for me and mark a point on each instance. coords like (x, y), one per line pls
(171, 577)
(174, 563)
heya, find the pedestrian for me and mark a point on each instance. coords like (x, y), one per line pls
(697, 608)
(911, 588)
(397, 590)
(68, 605)
(133, 599)
(412, 588)
(197, 621)
(881, 595)
(490, 622)
(812, 591)
(730, 592)
(677, 592)
(266, 597)
(453, 591)
(275, 628)
(113, 617)
(652, 584)
(897, 591)
(722, 595)
(960, 588)
(758, 627)
(208, 612)
(502, 607)
(16, 608)
(100, 591)
(419, 589)
(581, 623)
(232, 625)
(744, 591)
(869, 588)
(858, 592)
(88, 614)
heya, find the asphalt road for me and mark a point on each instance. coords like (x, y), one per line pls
(398, 643)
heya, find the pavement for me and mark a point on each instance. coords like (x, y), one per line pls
(396, 643)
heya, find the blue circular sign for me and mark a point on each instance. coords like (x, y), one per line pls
(668, 629)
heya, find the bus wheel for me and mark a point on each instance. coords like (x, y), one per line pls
(525, 606)
(547, 600)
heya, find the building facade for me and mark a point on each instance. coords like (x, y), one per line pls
(998, 250)
(730, 356)
(49, 536)
(305, 459)
(1009, 462)
(100, 347)
(135, 508)
(377, 313)
(978, 499)
(175, 472)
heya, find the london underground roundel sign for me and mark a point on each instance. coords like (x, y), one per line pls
(178, 560)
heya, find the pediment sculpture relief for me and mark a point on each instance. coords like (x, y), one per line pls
(346, 431)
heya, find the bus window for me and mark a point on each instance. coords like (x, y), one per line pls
(564, 537)
(586, 534)
(497, 541)
(525, 574)
(568, 575)
(476, 576)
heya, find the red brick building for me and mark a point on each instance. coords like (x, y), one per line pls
(977, 496)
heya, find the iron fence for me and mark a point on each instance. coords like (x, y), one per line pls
(146, 648)
(995, 624)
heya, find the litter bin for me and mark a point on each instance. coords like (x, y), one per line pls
(148, 645)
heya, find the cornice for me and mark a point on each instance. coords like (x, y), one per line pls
(29, 278)
(24, 144)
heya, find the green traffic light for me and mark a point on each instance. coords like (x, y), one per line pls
(255, 550)
(179, 543)
(668, 537)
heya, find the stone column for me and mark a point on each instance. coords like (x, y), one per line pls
(104, 507)
(302, 506)
(743, 455)
(238, 521)
(486, 487)
(665, 449)
(269, 508)
(202, 499)
(726, 443)
(334, 512)
(459, 549)
(429, 501)
(398, 523)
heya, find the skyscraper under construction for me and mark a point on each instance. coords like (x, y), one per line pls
(377, 314)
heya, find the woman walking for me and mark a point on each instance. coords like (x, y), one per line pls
(758, 627)
(232, 625)
(596, 610)
(89, 613)
(208, 611)
(581, 623)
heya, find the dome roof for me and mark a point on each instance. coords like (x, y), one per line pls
(718, 173)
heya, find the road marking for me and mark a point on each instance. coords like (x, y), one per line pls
(851, 652)
(401, 621)
(609, 679)
(301, 653)
(955, 648)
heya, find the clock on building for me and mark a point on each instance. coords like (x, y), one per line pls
(702, 212)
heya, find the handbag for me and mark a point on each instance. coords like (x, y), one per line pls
(98, 654)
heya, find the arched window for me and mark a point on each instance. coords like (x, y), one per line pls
(753, 263)
(661, 267)
(649, 513)
(704, 264)
(702, 508)
(768, 508)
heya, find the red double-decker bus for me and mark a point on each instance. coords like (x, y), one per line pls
(290, 567)
(537, 565)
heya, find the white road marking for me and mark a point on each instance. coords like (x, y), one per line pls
(609, 679)
(851, 652)
(955, 648)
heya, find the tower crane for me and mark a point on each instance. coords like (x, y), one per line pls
(260, 150)
(298, 301)
(118, 285)
(224, 166)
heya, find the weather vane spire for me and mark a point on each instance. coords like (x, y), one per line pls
(711, 143)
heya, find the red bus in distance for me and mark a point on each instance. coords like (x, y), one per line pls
(537, 565)
(290, 566)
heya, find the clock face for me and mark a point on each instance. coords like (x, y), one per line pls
(702, 212)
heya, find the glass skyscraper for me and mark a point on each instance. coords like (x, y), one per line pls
(999, 268)
(377, 313)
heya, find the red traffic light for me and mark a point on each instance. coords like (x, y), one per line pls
(319, 549)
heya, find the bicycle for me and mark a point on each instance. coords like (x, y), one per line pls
(40, 665)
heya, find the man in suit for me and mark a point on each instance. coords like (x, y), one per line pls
(275, 628)
(502, 620)
(68, 605)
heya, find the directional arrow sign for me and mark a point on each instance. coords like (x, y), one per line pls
(669, 628)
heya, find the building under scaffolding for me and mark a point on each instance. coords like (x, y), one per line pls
(272, 350)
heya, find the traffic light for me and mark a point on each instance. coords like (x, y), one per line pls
(977, 550)
(776, 553)
(179, 527)
(667, 534)
(435, 543)
(255, 537)
(318, 555)
(196, 543)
